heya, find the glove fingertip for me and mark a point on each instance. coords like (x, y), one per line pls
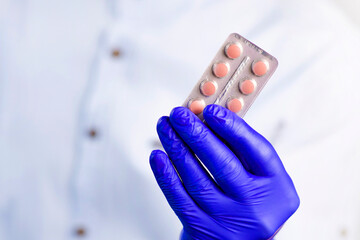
(162, 125)
(181, 117)
(216, 115)
(157, 161)
(211, 109)
(162, 121)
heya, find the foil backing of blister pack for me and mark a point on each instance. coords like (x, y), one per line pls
(239, 69)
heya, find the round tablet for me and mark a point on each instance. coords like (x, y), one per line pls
(234, 105)
(259, 68)
(233, 50)
(197, 106)
(208, 88)
(247, 86)
(220, 69)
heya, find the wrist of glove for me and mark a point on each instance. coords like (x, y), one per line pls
(248, 195)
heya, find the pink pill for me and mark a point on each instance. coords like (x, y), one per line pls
(208, 88)
(259, 68)
(234, 105)
(233, 50)
(247, 86)
(197, 106)
(220, 69)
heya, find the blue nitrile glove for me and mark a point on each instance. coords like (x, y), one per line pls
(251, 195)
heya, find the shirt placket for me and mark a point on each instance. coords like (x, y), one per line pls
(106, 72)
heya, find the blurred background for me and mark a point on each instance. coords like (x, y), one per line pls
(83, 83)
(351, 8)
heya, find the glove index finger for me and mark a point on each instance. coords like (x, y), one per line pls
(256, 154)
(222, 163)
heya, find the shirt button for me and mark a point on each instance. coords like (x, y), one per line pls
(93, 133)
(80, 232)
(116, 53)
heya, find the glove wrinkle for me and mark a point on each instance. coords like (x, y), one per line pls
(248, 195)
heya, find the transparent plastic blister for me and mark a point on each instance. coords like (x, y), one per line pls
(234, 78)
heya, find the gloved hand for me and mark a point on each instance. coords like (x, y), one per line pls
(250, 195)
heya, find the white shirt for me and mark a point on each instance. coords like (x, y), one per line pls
(59, 81)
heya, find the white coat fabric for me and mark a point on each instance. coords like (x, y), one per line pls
(82, 84)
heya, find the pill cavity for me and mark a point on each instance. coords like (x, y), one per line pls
(259, 68)
(208, 88)
(247, 86)
(235, 105)
(197, 106)
(233, 50)
(220, 69)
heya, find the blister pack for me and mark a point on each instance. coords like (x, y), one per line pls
(234, 78)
